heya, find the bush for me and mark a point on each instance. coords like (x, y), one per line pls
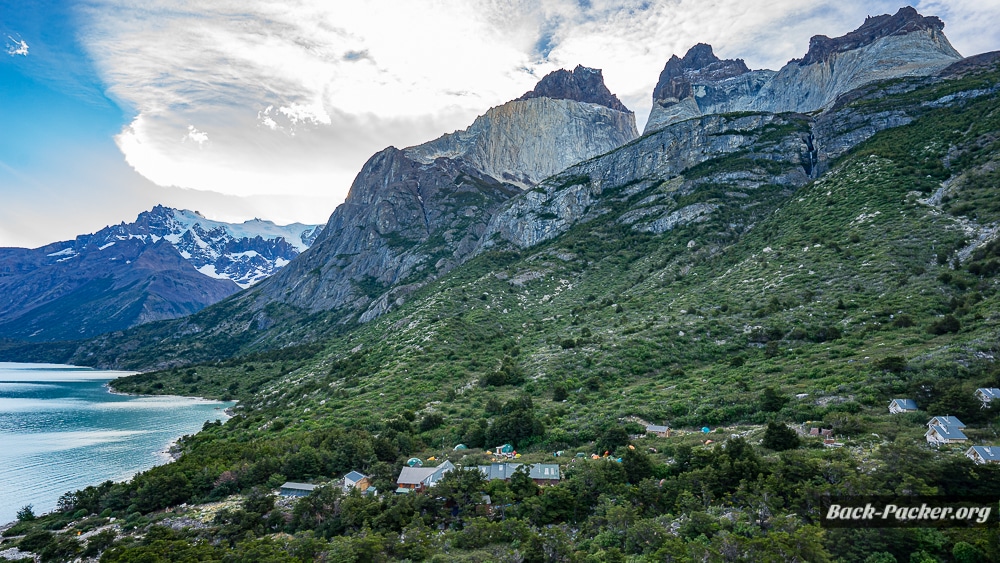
(903, 321)
(894, 364)
(559, 392)
(772, 401)
(611, 439)
(431, 421)
(26, 513)
(779, 437)
(946, 324)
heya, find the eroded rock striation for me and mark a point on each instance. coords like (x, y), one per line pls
(884, 47)
(655, 164)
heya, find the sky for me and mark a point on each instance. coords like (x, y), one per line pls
(255, 108)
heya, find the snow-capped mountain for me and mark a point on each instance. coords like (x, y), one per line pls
(168, 263)
(242, 252)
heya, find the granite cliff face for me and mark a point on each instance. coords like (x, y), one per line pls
(413, 214)
(701, 83)
(732, 153)
(884, 47)
(568, 117)
(662, 165)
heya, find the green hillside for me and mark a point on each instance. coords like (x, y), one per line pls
(784, 308)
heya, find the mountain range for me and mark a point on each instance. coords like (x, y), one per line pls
(567, 152)
(523, 173)
(166, 264)
(780, 252)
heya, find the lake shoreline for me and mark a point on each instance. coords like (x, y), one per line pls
(72, 429)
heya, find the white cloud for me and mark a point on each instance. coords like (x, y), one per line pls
(298, 95)
(16, 47)
(195, 135)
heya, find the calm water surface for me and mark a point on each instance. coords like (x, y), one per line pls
(62, 430)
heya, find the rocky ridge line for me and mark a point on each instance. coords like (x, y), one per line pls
(582, 84)
(884, 47)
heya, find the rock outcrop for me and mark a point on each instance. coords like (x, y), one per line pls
(582, 192)
(413, 214)
(568, 117)
(403, 221)
(582, 84)
(700, 83)
(884, 47)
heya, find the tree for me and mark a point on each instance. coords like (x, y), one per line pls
(464, 487)
(259, 500)
(964, 552)
(637, 465)
(516, 422)
(26, 513)
(779, 437)
(521, 483)
(772, 401)
(893, 364)
(612, 439)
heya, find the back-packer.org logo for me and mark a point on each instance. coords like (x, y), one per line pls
(908, 512)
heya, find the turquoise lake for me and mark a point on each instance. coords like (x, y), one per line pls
(61, 430)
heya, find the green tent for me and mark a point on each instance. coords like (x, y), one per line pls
(415, 462)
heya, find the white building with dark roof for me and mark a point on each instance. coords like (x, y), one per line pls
(897, 406)
(987, 394)
(540, 473)
(984, 454)
(945, 430)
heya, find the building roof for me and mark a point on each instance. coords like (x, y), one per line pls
(989, 392)
(498, 470)
(414, 475)
(905, 404)
(425, 475)
(988, 453)
(946, 421)
(948, 432)
(656, 428)
(544, 471)
(354, 477)
(298, 486)
(505, 470)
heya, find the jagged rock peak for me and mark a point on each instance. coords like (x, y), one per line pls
(883, 48)
(582, 84)
(674, 81)
(906, 20)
